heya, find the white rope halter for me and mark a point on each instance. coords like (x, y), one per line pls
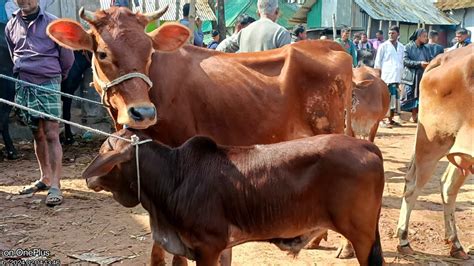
(136, 142)
(105, 86)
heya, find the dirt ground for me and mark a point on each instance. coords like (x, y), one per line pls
(89, 222)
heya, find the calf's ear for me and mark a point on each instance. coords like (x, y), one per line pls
(170, 37)
(70, 34)
(104, 163)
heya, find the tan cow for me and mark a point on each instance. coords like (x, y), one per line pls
(446, 125)
(370, 102)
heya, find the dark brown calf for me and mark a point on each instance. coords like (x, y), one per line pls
(207, 198)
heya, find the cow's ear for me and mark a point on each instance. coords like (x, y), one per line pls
(170, 37)
(361, 83)
(104, 163)
(70, 34)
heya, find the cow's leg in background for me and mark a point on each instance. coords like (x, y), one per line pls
(7, 92)
(419, 173)
(70, 85)
(451, 182)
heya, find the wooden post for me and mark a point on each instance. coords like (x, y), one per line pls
(178, 7)
(221, 25)
(398, 23)
(192, 18)
(389, 24)
(423, 25)
(334, 31)
(430, 28)
(418, 25)
(380, 24)
(369, 27)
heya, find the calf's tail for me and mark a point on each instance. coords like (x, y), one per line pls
(375, 255)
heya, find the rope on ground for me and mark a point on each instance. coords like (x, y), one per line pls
(49, 90)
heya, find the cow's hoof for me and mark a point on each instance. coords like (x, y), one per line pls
(345, 252)
(459, 253)
(405, 249)
(315, 243)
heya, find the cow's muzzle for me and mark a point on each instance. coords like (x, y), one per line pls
(139, 114)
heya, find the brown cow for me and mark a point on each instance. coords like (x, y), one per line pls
(237, 99)
(445, 125)
(207, 198)
(370, 102)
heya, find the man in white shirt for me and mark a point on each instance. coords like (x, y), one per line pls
(264, 34)
(389, 60)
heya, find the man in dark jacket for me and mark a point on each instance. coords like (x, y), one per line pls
(435, 48)
(415, 60)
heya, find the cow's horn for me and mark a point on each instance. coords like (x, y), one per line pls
(157, 14)
(87, 15)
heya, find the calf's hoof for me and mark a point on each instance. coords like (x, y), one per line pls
(459, 253)
(405, 250)
(345, 252)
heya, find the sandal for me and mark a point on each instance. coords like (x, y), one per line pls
(396, 124)
(37, 186)
(54, 197)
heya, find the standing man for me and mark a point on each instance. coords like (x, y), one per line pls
(416, 58)
(215, 40)
(264, 34)
(299, 34)
(348, 44)
(389, 60)
(462, 39)
(378, 39)
(435, 48)
(38, 59)
(230, 44)
(198, 34)
(365, 51)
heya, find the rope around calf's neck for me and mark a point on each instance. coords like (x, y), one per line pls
(136, 142)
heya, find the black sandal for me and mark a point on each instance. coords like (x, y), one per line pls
(54, 197)
(37, 186)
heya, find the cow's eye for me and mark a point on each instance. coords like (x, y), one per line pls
(101, 55)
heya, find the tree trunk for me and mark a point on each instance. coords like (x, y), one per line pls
(212, 4)
(221, 19)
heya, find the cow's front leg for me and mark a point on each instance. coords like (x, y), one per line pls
(451, 182)
(179, 261)
(157, 255)
(208, 257)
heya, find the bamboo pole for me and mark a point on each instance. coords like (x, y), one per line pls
(369, 27)
(334, 31)
(380, 24)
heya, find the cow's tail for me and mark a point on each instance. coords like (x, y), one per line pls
(375, 255)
